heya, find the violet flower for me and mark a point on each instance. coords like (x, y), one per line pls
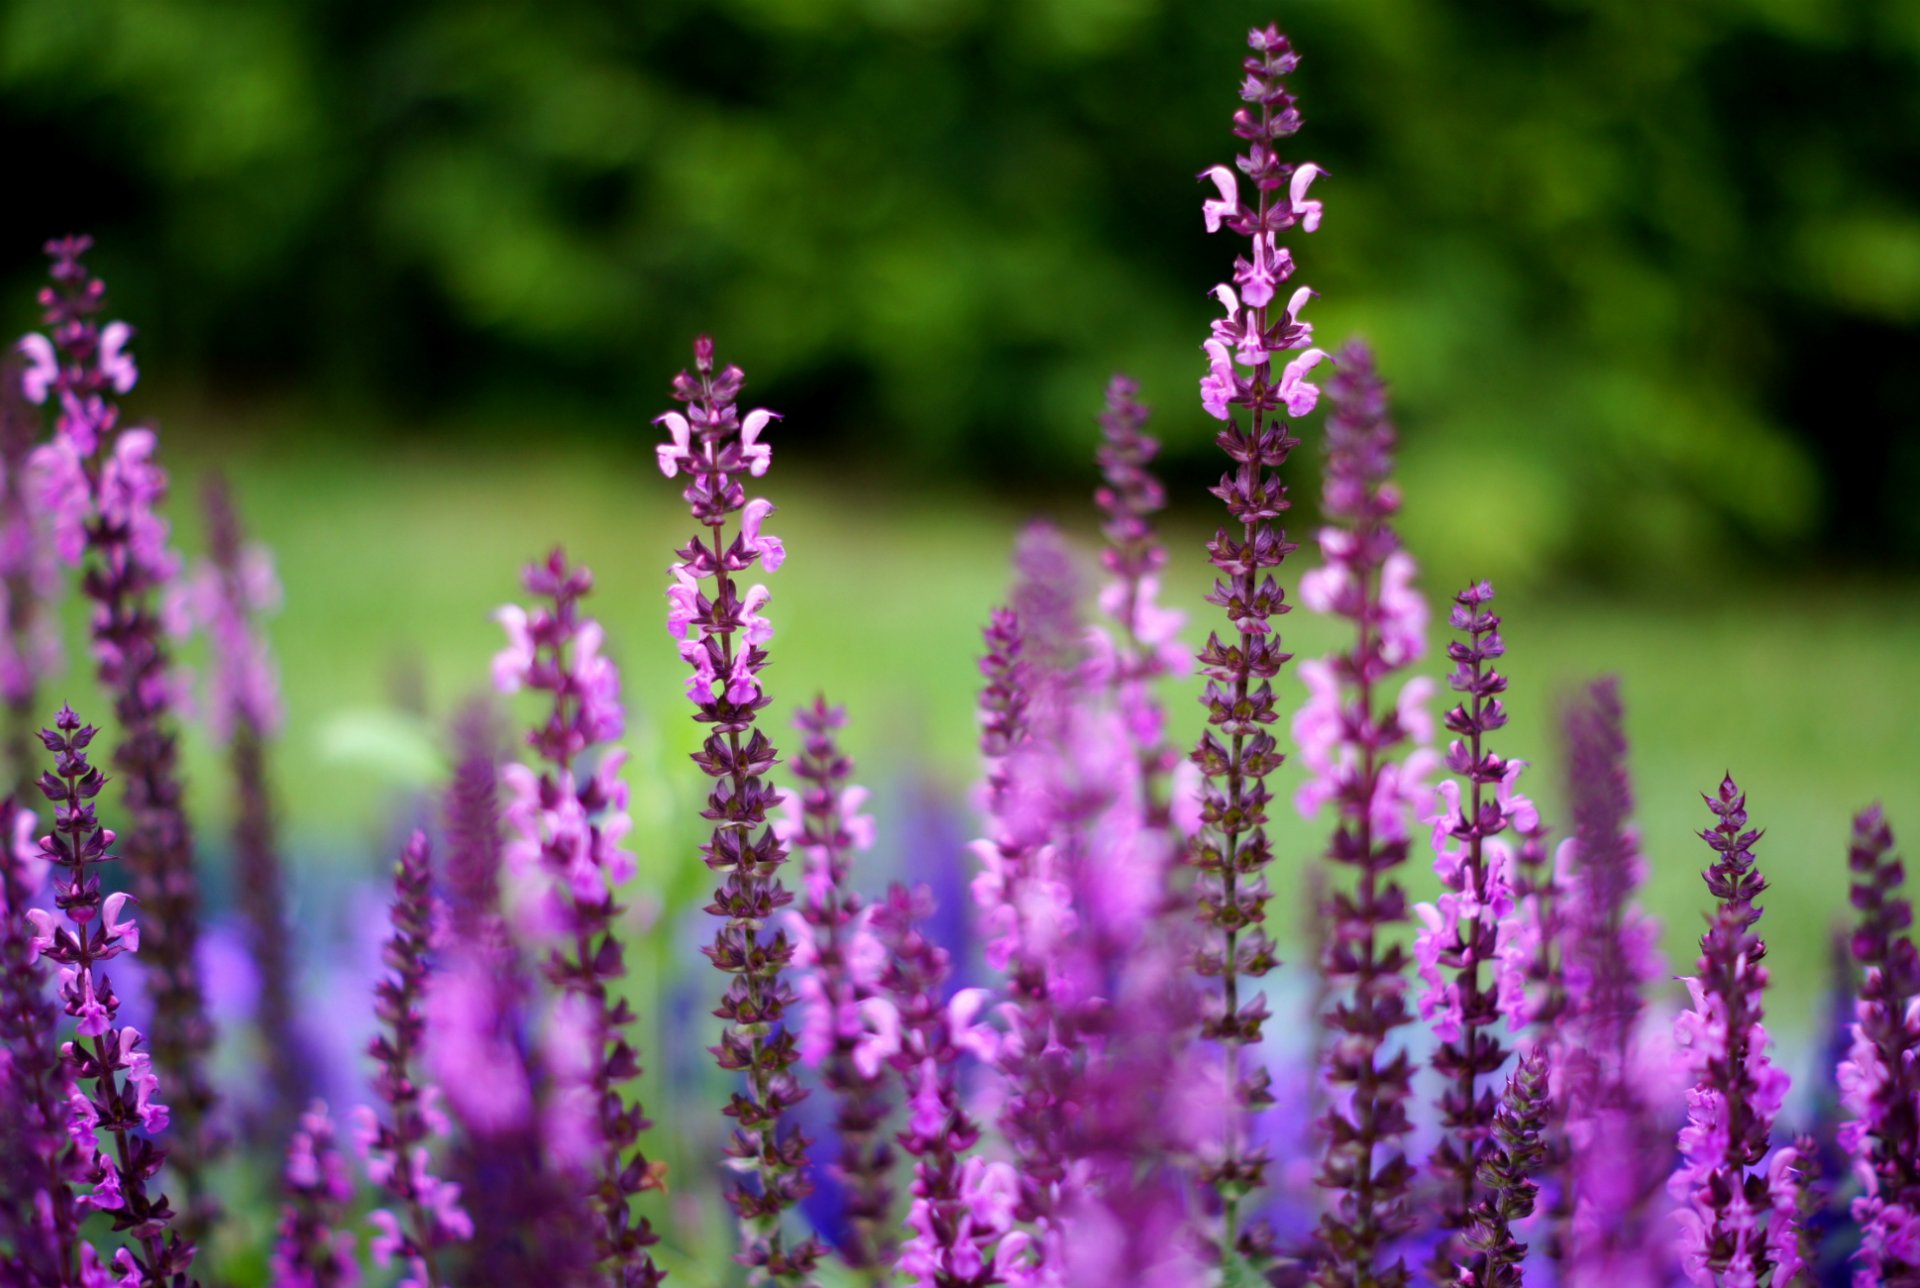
(38, 1164)
(1507, 1167)
(1351, 741)
(424, 1213)
(845, 1024)
(960, 1221)
(722, 637)
(1740, 1221)
(1238, 752)
(102, 489)
(567, 821)
(227, 594)
(111, 1087)
(29, 580)
(1460, 933)
(1880, 1079)
(314, 1248)
(1618, 1150)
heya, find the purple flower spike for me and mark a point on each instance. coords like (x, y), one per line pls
(722, 637)
(1507, 1166)
(425, 1215)
(1460, 934)
(314, 1249)
(30, 580)
(960, 1223)
(1350, 746)
(567, 822)
(1617, 1150)
(1239, 751)
(111, 1086)
(102, 489)
(1880, 1078)
(1740, 1221)
(227, 594)
(846, 1025)
(38, 1165)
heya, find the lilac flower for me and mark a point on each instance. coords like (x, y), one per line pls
(37, 1164)
(1739, 1222)
(1618, 1150)
(314, 1249)
(29, 579)
(1507, 1166)
(395, 1148)
(1238, 752)
(1880, 1078)
(722, 641)
(846, 1025)
(102, 490)
(1460, 932)
(111, 1085)
(567, 825)
(960, 1221)
(1349, 749)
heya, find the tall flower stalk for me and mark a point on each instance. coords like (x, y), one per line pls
(113, 1088)
(423, 1213)
(102, 489)
(845, 1029)
(228, 594)
(1739, 1222)
(1880, 1078)
(1353, 743)
(1512, 1158)
(29, 582)
(722, 634)
(567, 820)
(1238, 752)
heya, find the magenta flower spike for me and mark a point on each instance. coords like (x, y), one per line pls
(423, 1214)
(1880, 1077)
(38, 1164)
(1739, 1219)
(1238, 752)
(1367, 755)
(567, 821)
(314, 1248)
(847, 1028)
(1458, 946)
(1508, 1165)
(111, 1084)
(30, 580)
(101, 490)
(722, 637)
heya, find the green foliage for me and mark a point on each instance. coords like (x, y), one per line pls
(1616, 256)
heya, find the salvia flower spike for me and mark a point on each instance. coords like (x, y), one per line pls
(1507, 1167)
(567, 820)
(30, 580)
(1880, 1078)
(722, 637)
(424, 1213)
(102, 488)
(314, 1248)
(847, 1027)
(1238, 752)
(1367, 755)
(112, 1084)
(1739, 1220)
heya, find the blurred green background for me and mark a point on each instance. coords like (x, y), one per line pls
(1646, 280)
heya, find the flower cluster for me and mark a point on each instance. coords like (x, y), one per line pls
(1238, 752)
(1880, 1078)
(425, 1212)
(1739, 1224)
(112, 1087)
(314, 1249)
(1348, 734)
(102, 490)
(1511, 1159)
(847, 1027)
(722, 636)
